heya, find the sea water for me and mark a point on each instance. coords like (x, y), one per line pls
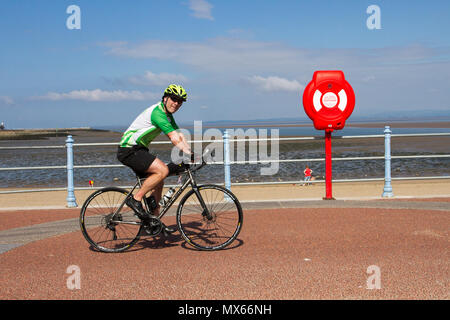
(214, 173)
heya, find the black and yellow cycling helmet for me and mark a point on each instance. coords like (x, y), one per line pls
(176, 91)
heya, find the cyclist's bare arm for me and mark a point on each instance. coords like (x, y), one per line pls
(179, 141)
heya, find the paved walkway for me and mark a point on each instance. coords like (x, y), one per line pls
(12, 238)
(286, 250)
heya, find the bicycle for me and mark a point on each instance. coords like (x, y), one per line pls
(209, 217)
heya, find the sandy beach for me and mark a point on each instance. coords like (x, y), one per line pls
(259, 193)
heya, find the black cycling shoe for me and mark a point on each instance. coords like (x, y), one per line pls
(137, 208)
(168, 230)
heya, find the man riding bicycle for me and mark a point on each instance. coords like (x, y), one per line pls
(133, 148)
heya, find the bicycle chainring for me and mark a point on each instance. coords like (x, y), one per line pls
(153, 226)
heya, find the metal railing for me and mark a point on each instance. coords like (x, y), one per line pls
(227, 162)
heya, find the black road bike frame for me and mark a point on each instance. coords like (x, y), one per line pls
(189, 181)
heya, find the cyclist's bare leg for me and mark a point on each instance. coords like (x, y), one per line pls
(157, 172)
(157, 193)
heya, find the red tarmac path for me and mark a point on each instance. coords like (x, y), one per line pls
(281, 253)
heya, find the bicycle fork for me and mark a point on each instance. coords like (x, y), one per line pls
(205, 212)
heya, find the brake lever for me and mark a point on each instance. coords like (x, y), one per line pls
(203, 162)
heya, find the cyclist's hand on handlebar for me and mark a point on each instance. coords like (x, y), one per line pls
(198, 158)
(195, 157)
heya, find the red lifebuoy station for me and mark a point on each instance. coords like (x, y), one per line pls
(328, 101)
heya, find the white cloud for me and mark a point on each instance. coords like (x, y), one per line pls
(201, 9)
(377, 75)
(99, 95)
(6, 100)
(220, 54)
(368, 78)
(150, 78)
(274, 83)
(246, 56)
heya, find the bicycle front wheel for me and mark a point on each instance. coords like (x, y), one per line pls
(211, 219)
(107, 223)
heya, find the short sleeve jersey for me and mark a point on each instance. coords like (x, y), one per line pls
(147, 126)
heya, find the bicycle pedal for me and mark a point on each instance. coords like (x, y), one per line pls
(168, 230)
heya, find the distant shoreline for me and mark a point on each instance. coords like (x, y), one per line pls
(24, 134)
(393, 124)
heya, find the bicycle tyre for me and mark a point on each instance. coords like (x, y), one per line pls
(95, 214)
(213, 234)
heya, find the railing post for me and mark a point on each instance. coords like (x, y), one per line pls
(71, 201)
(387, 191)
(226, 159)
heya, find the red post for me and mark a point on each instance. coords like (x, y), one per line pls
(328, 170)
(328, 101)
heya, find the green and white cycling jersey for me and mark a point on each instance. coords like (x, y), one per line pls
(147, 126)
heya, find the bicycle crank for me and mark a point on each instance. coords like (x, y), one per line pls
(153, 226)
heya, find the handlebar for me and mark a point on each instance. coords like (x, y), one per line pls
(175, 169)
(203, 161)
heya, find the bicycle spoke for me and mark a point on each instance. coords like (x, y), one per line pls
(216, 230)
(102, 223)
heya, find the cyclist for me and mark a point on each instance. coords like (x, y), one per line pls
(133, 148)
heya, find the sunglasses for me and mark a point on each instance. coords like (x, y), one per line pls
(176, 99)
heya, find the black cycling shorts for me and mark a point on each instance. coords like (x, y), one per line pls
(137, 158)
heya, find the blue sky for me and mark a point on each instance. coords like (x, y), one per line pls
(238, 60)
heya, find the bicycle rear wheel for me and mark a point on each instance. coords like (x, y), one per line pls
(107, 223)
(215, 231)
